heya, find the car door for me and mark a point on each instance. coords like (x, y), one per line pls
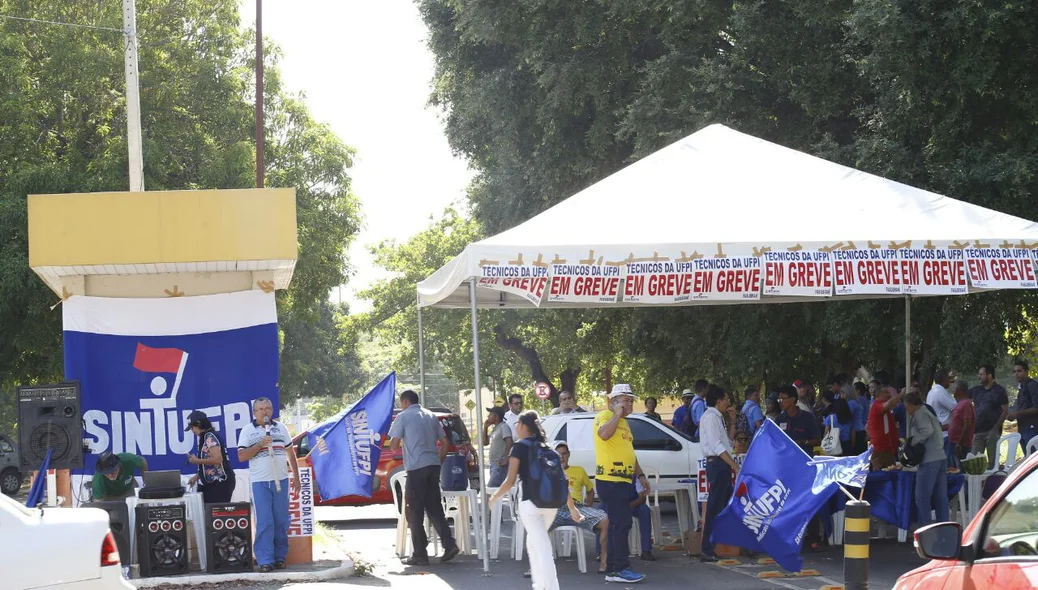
(659, 447)
(578, 433)
(1007, 543)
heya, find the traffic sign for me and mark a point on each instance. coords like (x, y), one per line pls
(543, 390)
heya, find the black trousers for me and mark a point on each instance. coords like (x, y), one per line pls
(218, 492)
(422, 495)
(719, 476)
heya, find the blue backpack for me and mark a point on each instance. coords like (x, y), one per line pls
(548, 485)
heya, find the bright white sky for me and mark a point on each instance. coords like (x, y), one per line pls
(365, 70)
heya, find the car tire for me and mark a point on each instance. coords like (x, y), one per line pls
(10, 481)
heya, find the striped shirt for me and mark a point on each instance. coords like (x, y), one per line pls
(261, 468)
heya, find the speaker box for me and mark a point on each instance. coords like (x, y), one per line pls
(118, 522)
(161, 540)
(50, 417)
(228, 537)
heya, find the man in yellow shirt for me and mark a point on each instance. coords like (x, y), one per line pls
(616, 468)
(595, 521)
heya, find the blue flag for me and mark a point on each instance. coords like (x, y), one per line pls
(347, 447)
(778, 490)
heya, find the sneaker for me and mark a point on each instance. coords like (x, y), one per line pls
(414, 560)
(627, 576)
(449, 554)
(707, 558)
(526, 574)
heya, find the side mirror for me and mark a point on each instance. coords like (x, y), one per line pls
(942, 540)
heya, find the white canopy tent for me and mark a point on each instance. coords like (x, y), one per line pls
(721, 217)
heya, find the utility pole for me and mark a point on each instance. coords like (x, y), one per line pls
(259, 93)
(133, 97)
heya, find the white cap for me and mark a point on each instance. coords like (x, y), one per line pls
(620, 389)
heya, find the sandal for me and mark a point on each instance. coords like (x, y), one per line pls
(266, 568)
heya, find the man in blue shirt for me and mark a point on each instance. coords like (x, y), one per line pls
(992, 406)
(754, 415)
(698, 407)
(682, 419)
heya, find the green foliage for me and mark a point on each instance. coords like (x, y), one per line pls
(547, 98)
(63, 128)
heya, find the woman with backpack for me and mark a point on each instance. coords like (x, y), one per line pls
(215, 477)
(537, 467)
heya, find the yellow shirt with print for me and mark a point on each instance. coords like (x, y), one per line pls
(614, 458)
(579, 483)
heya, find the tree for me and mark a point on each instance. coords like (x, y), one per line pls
(63, 128)
(545, 99)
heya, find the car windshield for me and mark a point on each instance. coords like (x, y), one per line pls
(455, 430)
(1012, 528)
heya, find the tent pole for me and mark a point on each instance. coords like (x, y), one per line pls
(908, 343)
(479, 404)
(421, 357)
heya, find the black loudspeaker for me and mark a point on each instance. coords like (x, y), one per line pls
(118, 522)
(50, 417)
(161, 540)
(228, 537)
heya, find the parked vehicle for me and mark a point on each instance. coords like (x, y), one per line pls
(390, 463)
(10, 467)
(58, 548)
(657, 446)
(999, 548)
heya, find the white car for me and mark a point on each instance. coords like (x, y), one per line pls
(57, 548)
(657, 446)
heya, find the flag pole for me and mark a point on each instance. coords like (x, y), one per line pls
(479, 404)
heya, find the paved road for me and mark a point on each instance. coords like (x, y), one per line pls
(368, 535)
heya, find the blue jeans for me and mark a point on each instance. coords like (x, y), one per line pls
(719, 476)
(1026, 434)
(643, 515)
(931, 491)
(616, 497)
(498, 473)
(271, 543)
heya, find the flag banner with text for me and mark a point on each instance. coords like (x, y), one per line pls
(346, 449)
(802, 273)
(1001, 268)
(719, 279)
(525, 280)
(932, 271)
(777, 492)
(867, 272)
(145, 364)
(584, 283)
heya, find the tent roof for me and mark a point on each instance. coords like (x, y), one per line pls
(722, 190)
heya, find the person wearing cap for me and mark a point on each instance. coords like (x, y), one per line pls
(500, 442)
(215, 477)
(616, 468)
(113, 476)
(682, 419)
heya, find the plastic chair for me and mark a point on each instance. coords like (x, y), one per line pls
(1013, 441)
(1031, 447)
(399, 482)
(654, 504)
(497, 516)
(566, 534)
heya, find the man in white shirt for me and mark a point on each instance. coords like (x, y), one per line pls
(515, 407)
(943, 402)
(715, 439)
(265, 444)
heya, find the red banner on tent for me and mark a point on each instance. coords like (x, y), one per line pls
(867, 272)
(1001, 268)
(527, 281)
(734, 278)
(584, 283)
(800, 274)
(932, 271)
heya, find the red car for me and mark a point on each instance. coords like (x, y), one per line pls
(390, 463)
(999, 549)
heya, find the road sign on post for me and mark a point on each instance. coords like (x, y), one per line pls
(543, 390)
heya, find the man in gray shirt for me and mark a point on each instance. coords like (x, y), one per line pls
(500, 441)
(420, 430)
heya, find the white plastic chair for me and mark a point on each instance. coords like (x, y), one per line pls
(1031, 447)
(654, 505)
(1012, 439)
(564, 536)
(497, 516)
(399, 482)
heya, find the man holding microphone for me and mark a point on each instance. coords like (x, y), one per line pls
(263, 443)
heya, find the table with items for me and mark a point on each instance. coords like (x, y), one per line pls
(891, 495)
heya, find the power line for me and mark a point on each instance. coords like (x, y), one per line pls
(59, 23)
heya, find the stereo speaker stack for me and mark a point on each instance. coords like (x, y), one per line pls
(228, 537)
(118, 523)
(50, 417)
(161, 540)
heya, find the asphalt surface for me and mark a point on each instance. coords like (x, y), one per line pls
(367, 534)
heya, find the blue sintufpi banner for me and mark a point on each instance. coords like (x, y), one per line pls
(778, 490)
(347, 447)
(145, 364)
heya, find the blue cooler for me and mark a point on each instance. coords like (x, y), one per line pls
(454, 473)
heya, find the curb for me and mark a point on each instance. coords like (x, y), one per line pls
(343, 570)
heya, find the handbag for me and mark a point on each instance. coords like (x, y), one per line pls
(831, 443)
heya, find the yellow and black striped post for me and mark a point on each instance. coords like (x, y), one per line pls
(856, 546)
